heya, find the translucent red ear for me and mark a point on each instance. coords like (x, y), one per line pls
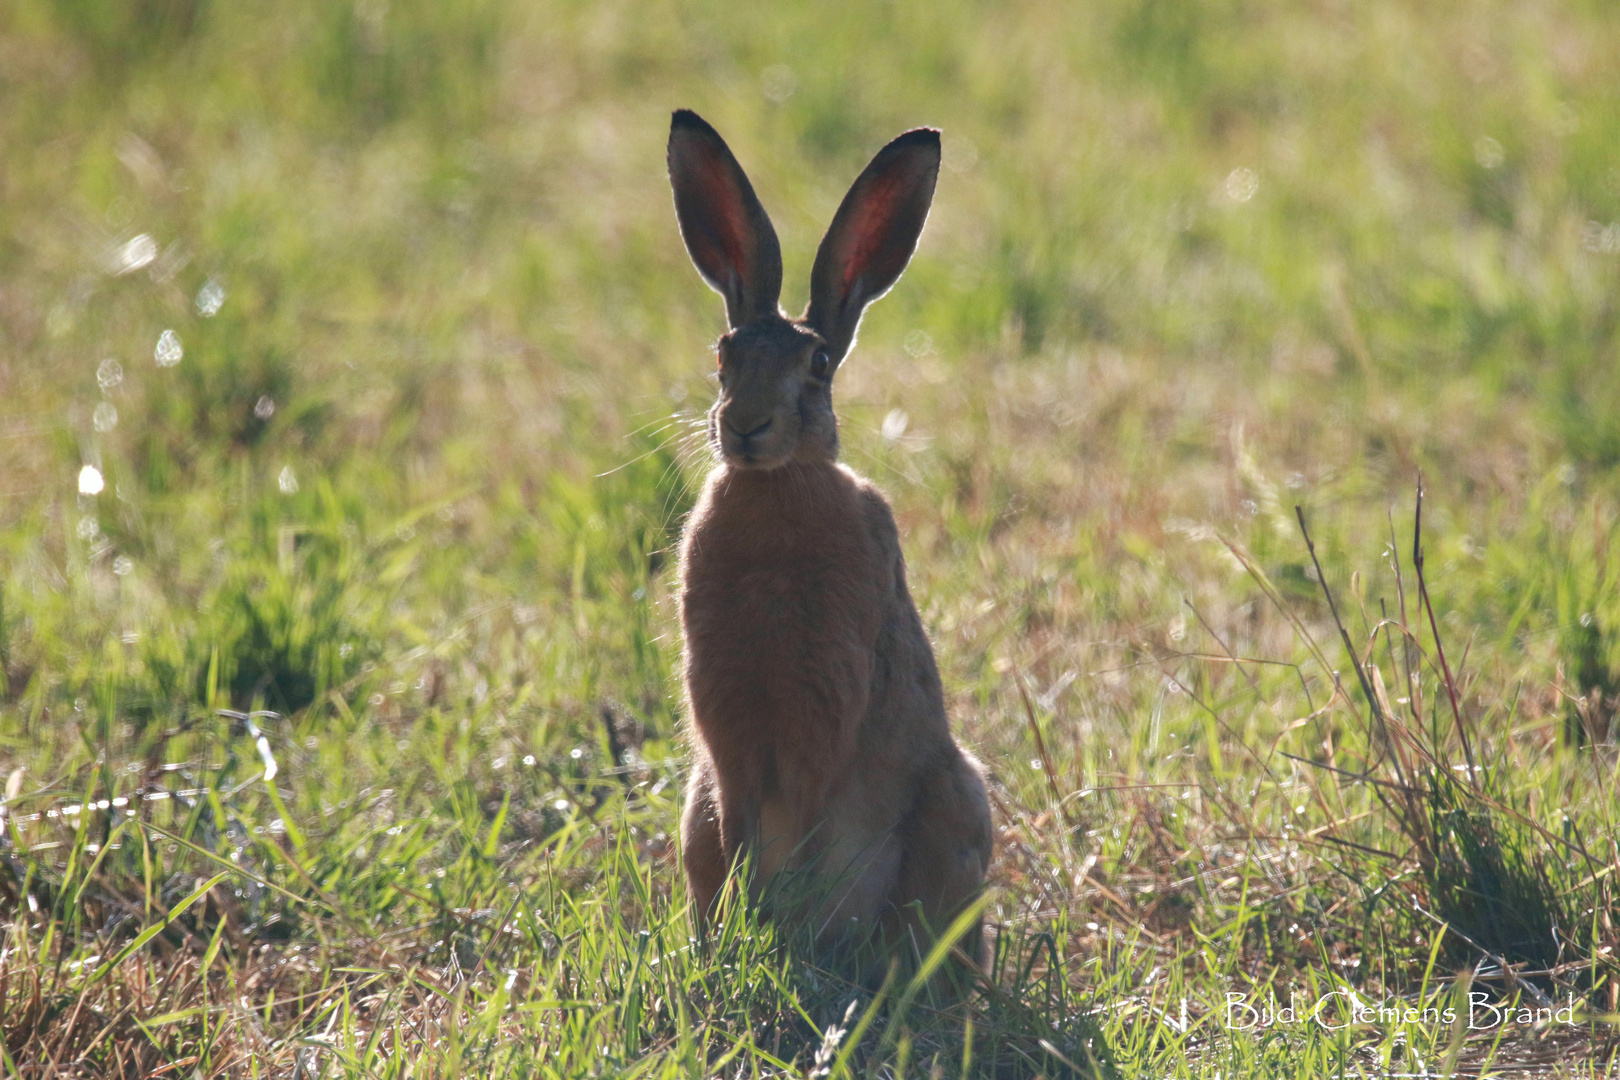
(727, 232)
(873, 235)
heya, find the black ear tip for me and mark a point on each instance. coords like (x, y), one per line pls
(917, 138)
(687, 120)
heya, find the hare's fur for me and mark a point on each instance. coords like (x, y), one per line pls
(821, 747)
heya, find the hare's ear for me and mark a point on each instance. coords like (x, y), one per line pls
(872, 236)
(725, 228)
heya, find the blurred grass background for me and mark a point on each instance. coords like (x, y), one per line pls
(373, 323)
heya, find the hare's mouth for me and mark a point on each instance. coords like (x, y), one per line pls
(762, 459)
(752, 444)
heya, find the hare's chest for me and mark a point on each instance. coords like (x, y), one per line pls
(779, 632)
(776, 602)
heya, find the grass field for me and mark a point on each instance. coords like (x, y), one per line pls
(351, 372)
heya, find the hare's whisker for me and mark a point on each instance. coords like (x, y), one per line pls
(660, 421)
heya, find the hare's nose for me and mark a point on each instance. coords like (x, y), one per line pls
(742, 434)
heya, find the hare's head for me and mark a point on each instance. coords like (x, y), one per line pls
(776, 374)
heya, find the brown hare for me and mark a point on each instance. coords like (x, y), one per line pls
(821, 748)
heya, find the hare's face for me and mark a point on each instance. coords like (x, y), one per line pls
(775, 402)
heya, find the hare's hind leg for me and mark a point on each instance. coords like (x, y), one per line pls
(948, 839)
(702, 854)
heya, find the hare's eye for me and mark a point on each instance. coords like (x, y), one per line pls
(820, 364)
